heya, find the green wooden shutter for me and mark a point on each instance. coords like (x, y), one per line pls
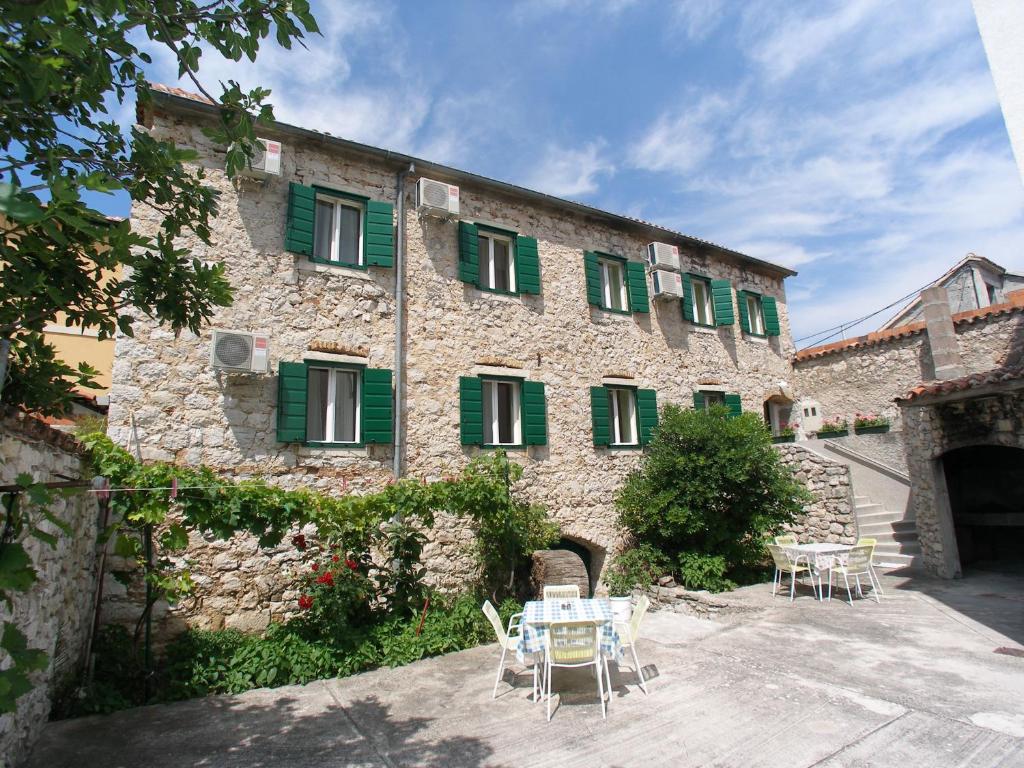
(535, 414)
(688, 298)
(698, 401)
(593, 273)
(636, 285)
(721, 296)
(771, 316)
(378, 406)
(527, 265)
(732, 402)
(599, 415)
(647, 413)
(471, 410)
(298, 230)
(379, 238)
(741, 302)
(469, 253)
(291, 402)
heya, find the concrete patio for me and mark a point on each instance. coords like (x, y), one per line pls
(911, 681)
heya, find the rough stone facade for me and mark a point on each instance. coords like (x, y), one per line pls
(56, 613)
(829, 517)
(186, 412)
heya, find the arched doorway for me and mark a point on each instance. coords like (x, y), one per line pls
(985, 484)
(592, 557)
(778, 413)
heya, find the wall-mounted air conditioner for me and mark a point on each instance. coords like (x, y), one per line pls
(437, 198)
(663, 255)
(266, 161)
(669, 284)
(240, 352)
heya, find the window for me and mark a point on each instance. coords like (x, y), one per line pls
(497, 263)
(332, 405)
(622, 415)
(613, 285)
(991, 293)
(754, 314)
(711, 398)
(501, 417)
(338, 231)
(703, 311)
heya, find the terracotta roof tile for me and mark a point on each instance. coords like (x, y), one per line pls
(964, 383)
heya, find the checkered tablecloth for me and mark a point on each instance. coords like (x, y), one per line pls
(822, 556)
(537, 614)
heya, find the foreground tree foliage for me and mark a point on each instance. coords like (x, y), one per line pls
(65, 65)
(709, 490)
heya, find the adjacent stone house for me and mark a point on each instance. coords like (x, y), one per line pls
(407, 343)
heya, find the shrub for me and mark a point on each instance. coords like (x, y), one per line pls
(708, 491)
(640, 567)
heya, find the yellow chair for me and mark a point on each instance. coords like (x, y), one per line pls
(785, 564)
(865, 541)
(576, 644)
(562, 592)
(856, 563)
(785, 541)
(508, 642)
(628, 634)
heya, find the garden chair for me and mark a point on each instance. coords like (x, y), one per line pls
(628, 633)
(785, 564)
(562, 592)
(576, 644)
(856, 563)
(864, 541)
(785, 540)
(508, 642)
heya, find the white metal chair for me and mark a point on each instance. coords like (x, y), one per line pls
(786, 564)
(576, 644)
(866, 541)
(785, 540)
(856, 563)
(508, 642)
(628, 633)
(562, 592)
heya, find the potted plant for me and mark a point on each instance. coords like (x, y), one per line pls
(786, 434)
(836, 427)
(870, 424)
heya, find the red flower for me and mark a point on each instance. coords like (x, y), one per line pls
(306, 602)
(335, 558)
(315, 567)
(352, 564)
(326, 578)
(299, 541)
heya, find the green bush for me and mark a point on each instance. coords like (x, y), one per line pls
(709, 490)
(636, 567)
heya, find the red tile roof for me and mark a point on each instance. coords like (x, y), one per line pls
(964, 383)
(1013, 304)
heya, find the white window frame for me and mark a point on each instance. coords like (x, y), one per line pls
(337, 204)
(491, 238)
(606, 284)
(332, 397)
(755, 314)
(615, 416)
(706, 393)
(490, 389)
(709, 307)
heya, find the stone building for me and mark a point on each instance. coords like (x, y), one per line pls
(524, 321)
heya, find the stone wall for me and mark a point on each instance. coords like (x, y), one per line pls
(56, 613)
(886, 449)
(186, 412)
(829, 517)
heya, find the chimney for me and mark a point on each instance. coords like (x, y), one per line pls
(941, 336)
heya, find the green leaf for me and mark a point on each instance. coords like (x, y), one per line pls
(16, 571)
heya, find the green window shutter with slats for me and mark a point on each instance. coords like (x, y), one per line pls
(698, 401)
(732, 402)
(636, 285)
(721, 297)
(469, 253)
(379, 238)
(599, 415)
(378, 406)
(291, 402)
(771, 316)
(535, 414)
(741, 302)
(298, 231)
(647, 413)
(471, 410)
(688, 298)
(593, 273)
(527, 265)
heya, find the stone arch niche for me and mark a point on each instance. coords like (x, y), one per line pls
(592, 555)
(778, 408)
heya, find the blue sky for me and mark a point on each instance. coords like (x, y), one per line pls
(859, 142)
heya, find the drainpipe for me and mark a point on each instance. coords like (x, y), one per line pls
(399, 314)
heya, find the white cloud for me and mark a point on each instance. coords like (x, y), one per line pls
(532, 10)
(570, 172)
(680, 140)
(698, 18)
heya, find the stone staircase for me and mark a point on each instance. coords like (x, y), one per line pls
(897, 546)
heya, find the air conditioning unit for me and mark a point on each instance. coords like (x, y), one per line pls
(663, 255)
(437, 198)
(266, 160)
(667, 283)
(240, 352)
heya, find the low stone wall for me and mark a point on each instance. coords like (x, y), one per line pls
(56, 613)
(829, 517)
(887, 449)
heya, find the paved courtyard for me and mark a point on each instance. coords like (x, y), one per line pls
(914, 681)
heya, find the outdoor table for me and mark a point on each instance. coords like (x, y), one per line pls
(537, 614)
(822, 556)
